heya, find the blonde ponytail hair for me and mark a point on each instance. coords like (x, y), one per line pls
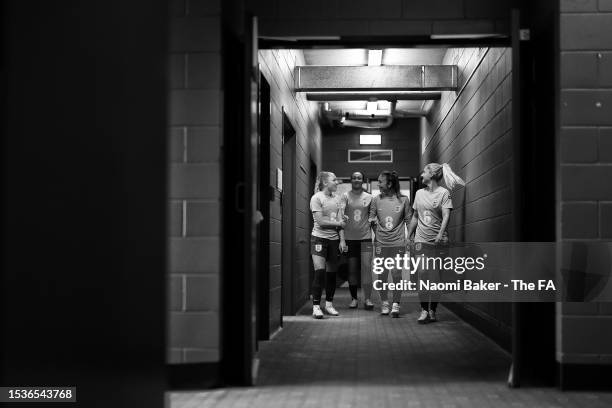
(444, 171)
(321, 179)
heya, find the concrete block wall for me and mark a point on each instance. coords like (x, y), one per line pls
(472, 131)
(383, 18)
(277, 66)
(402, 136)
(584, 191)
(194, 181)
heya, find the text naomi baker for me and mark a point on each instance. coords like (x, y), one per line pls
(428, 285)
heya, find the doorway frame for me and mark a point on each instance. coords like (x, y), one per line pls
(288, 208)
(265, 195)
(403, 41)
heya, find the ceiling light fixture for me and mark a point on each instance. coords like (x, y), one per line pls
(369, 139)
(374, 57)
(464, 36)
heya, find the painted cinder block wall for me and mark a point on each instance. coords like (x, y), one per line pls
(277, 66)
(472, 131)
(584, 190)
(194, 202)
(402, 136)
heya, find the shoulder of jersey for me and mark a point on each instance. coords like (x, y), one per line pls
(320, 196)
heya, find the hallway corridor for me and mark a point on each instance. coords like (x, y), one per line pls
(363, 359)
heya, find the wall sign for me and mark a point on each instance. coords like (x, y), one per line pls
(279, 179)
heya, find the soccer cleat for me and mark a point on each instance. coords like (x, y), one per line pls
(395, 310)
(317, 313)
(424, 317)
(384, 309)
(432, 316)
(329, 308)
(353, 304)
(368, 305)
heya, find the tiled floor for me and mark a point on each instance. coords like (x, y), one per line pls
(362, 359)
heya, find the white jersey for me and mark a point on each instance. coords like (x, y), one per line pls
(357, 208)
(330, 207)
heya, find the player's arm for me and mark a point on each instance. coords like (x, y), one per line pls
(341, 211)
(447, 206)
(412, 225)
(407, 213)
(325, 222)
(414, 219)
(445, 218)
(372, 214)
(343, 245)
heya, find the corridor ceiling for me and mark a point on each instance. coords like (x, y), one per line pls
(390, 56)
(359, 57)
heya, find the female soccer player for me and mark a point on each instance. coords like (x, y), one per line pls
(432, 206)
(389, 213)
(326, 242)
(358, 235)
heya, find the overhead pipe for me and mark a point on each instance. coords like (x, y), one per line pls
(368, 123)
(361, 120)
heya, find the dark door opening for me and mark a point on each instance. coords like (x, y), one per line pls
(534, 359)
(240, 212)
(264, 195)
(288, 212)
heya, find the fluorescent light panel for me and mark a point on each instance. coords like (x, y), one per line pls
(369, 139)
(374, 57)
(370, 92)
(464, 36)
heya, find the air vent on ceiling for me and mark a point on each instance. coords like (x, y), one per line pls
(370, 156)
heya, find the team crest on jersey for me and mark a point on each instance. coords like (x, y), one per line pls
(398, 208)
(434, 203)
(417, 246)
(377, 250)
(318, 247)
(365, 202)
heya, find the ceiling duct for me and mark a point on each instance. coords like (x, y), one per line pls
(367, 119)
(373, 96)
(368, 123)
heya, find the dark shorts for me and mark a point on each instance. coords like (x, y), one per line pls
(388, 251)
(381, 251)
(327, 248)
(357, 246)
(429, 249)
